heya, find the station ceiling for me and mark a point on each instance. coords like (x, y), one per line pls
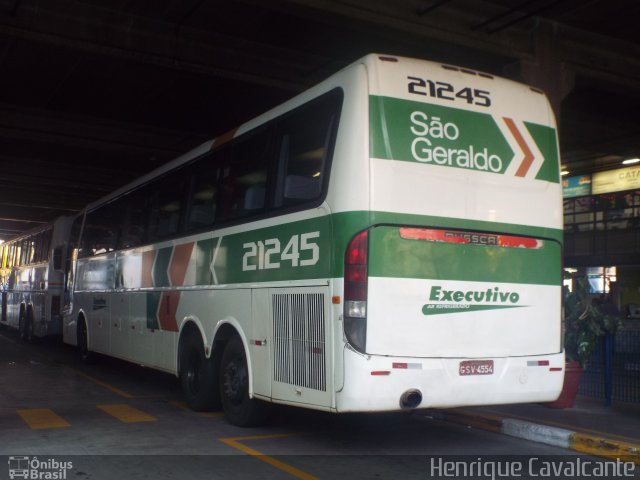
(95, 93)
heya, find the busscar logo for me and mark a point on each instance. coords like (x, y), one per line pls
(443, 301)
(37, 469)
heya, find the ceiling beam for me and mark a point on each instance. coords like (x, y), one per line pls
(80, 131)
(591, 54)
(86, 27)
(451, 22)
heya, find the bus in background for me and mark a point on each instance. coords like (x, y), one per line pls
(390, 239)
(32, 272)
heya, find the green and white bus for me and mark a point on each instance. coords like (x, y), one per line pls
(390, 239)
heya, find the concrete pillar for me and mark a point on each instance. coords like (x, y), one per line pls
(547, 71)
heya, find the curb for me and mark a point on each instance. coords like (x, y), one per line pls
(540, 433)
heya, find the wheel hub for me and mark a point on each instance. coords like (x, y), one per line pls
(235, 381)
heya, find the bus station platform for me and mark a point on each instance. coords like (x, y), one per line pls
(589, 426)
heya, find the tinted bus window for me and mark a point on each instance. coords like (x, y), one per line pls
(305, 145)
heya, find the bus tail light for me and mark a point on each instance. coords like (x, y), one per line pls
(355, 291)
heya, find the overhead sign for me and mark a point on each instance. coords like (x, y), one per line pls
(577, 186)
(616, 180)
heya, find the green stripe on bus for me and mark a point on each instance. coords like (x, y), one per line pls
(396, 257)
(546, 140)
(160, 275)
(204, 256)
(153, 301)
(347, 224)
(302, 250)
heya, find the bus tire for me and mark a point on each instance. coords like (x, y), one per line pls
(29, 335)
(23, 325)
(239, 409)
(198, 377)
(86, 356)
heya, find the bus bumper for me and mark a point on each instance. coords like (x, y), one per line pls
(379, 383)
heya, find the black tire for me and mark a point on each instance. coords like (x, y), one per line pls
(198, 375)
(22, 325)
(29, 335)
(86, 356)
(239, 409)
(3, 311)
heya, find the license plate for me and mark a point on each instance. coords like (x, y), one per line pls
(476, 367)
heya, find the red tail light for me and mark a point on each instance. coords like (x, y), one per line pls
(470, 238)
(355, 290)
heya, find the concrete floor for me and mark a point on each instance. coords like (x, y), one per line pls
(117, 420)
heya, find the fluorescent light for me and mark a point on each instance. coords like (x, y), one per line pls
(564, 172)
(631, 161)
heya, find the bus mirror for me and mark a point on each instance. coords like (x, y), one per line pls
(57, 258)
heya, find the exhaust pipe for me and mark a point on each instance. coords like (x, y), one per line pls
(410, 399)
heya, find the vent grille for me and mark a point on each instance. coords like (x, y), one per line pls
(299, 340)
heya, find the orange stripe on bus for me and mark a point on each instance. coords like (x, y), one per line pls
(224, 138)
(180, 263)
(148, 258)
(527, 161)
(167, 311)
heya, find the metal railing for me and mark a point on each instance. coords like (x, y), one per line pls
(613, 371)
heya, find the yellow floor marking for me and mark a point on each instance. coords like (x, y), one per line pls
(115, 390)
(183, 406)
(42, 418)
(126, 413)
(604, 447)
(291, 470)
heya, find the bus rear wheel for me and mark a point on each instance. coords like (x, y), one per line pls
(26, 326)
(198, 376)
(239, 409)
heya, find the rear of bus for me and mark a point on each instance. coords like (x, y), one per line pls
(452, 293)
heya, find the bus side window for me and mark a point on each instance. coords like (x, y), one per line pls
(101, 230)
(34, 242)
(167, 204)
(243, 184)
(46, 244)
(11, 260)
(24, 252)
(305, 145)
(206, 177)
(250, 159)
(202, 211)
(17, 254)
(136, 213)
